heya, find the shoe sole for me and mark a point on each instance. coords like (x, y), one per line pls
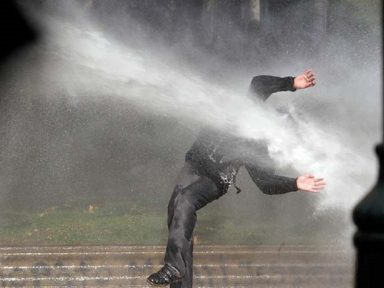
(157, 285)
(162, 285)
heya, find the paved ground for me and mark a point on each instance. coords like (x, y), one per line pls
(215, 266)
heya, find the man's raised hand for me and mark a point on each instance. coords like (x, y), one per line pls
(305, 80)
(309, 183)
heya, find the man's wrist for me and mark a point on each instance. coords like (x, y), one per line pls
(296, 184)
(291, 82)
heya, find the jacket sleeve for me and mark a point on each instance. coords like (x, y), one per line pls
(263, 86)
(269, 183)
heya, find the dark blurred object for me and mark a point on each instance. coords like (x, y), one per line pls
(369, 239)
(16, 32)
(368, 215)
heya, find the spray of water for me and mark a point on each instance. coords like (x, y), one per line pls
(89, 61)
(78, 59)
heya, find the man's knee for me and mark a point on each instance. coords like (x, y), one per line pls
(184, 200)
(181, 202)
(171, 204)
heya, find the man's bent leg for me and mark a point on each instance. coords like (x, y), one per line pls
(183, 212)
(191, 193)
(186, 177)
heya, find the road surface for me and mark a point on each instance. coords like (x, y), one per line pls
(214, 266)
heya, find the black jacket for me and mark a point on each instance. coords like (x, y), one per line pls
(220, 155)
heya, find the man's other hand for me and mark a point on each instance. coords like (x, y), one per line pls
(309, 183)
(305, 80)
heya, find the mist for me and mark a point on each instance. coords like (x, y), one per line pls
(97, 109)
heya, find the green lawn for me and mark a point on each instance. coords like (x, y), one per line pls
(129, 224)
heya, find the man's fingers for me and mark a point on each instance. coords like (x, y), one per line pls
(319, 186)
(309, 74)
(319, 182)
(317, 189)
(311, 78)
(313, 184)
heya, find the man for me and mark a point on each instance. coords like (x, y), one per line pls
(210, 169)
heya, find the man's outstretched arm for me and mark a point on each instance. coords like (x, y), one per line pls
(272, 184)
(263, 86)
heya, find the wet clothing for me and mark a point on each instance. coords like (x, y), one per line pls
(220, 159)
(192, 192)
(219, 155)
(211, 165)
(263, 86)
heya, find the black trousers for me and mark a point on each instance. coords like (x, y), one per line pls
(191, 193)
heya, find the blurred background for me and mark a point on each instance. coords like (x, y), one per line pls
(97, 115)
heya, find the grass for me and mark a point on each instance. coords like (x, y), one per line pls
(113, 224)
(132, 224)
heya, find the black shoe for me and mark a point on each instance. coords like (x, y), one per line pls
(165, 276)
